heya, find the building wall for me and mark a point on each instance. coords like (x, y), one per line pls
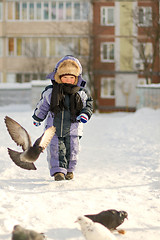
(124, 34)
(125, 82)
(20, 30)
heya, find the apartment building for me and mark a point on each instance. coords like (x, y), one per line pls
(35, 34)
(126, 50)
(116, 42)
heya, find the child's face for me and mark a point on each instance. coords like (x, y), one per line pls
(70, 79)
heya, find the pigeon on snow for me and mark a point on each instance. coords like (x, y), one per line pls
(21, 137)
(94, 231)
(20, 233)
(110, 218)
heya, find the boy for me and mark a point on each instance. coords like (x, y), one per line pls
(66, 105)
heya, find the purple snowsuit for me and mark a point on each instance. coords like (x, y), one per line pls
(62, 152)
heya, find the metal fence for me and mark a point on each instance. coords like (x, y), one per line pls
(148, 96)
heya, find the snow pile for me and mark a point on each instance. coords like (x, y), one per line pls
(119, 167)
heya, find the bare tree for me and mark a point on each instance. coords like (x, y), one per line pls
(146, 20)
(37, 63)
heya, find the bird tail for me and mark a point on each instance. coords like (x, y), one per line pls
(15, 156)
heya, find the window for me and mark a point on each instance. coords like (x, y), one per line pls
(39, 12)
(11, 46)
(19, 78)
(43, 50)
(85, 10)
(24, 11)
(47, 10)
(1, 47)
(84, 46)
(1, 77)
(52, 47)
(107, 52)
(27, 77)
(145, 16)
(145, 52)
(31, 11)
(34, 47)
(77, 50)
(17, 10)
(77, 11)
(53, 10)
(19, 46)
(107, 88)
(10, 10)
(11, 77)
(26, 47)
(107, 16)
(68, 10)
(60, 11)
(47, 47)
(64, 46)
(1, 11)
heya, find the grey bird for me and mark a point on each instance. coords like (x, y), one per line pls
(110, 218)
(20, 233)
(21, 137)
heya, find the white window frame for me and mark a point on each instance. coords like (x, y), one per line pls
(105, 16)
(82, 6)
(102, 54)
(102, 93)
(146, 22)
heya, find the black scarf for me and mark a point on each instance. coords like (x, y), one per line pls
(58, 99)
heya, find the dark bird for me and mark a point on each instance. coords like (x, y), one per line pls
(110, 218)
(20, 233)
(21, 137)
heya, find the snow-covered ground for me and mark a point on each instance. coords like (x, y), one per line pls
(119, 167)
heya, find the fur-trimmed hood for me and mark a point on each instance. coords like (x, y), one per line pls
(68, 65)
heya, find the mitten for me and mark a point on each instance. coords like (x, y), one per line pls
(36, 123)
(82, 118)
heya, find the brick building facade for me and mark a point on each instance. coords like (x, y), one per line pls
(126, 43)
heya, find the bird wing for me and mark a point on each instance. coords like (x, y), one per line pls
(104, 232)
(18, 133)
(45, 139)
(15, 156)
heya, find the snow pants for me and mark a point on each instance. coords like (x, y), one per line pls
(62, 154)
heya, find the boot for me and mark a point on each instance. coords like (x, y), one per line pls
(59, 176)
(69, 176)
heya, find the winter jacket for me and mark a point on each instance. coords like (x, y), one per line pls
(62, 122)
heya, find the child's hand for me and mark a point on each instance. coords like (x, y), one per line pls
(82, 118)
(36, 123)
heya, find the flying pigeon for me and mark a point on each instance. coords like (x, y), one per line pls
(110, 218)
(94, 231)
(20, 233)
(21, 137)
